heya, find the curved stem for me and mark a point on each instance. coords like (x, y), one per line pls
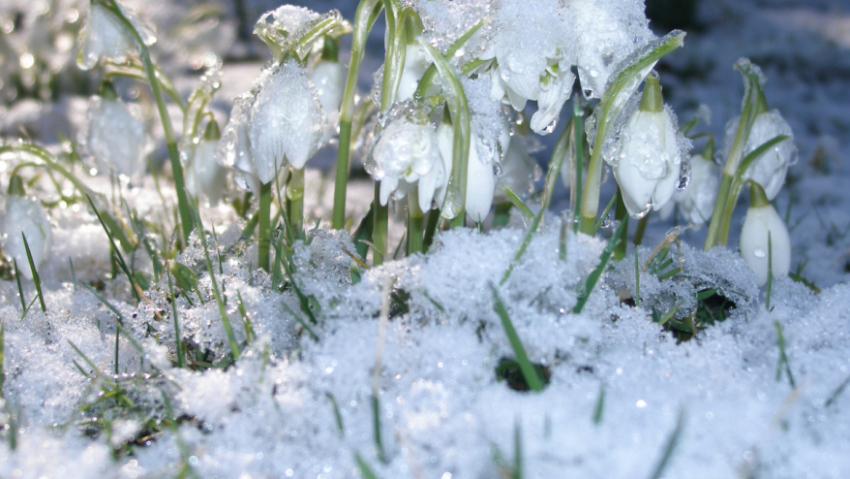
(367, 13)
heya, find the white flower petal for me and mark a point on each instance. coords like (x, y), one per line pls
(758, 224)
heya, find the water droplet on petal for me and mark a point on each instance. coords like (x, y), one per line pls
(684, 176)
(642, 213)
(759, 253)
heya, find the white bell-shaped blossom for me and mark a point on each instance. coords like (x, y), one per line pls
(648, 159)
(105, 36)
(533, 47)
(25, 215)
(405, 154)
(115, 136)
(763, 224)
(329, 79)
(287, 122)
(284, 28)
(611, 31)
(234, 148)
(696, 202)
(518, 170)
(769, 169)
(204, 176)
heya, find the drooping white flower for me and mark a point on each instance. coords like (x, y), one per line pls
(518, 170)
(25, 215)
(534, 50)
(287, 122)
(283, 29)
(105, 36)
(406, 154)
(765, 236)
(205, 177)
(769, 169)
(696, 202)
(115, 136)
(609, 35)
(329, 80)
(234, 148)
(648, 159)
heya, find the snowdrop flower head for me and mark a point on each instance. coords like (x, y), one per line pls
(648, 160)
(769, 169)
(518, 170)
(283, 29)
(115, 136)
(287, 121)
(105, 35)
(533, 50)
(206, 177)
(764, 236)
(405, 154)
(328, 76)
(233, 149)
(24, 214)
(696, 202)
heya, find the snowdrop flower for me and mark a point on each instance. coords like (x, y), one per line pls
(206, 177)
(283, 29)
(105, 36)
(328, 76)
(533, 49)
(769, 169)
(25, 215)
(407, 154)
(234, 148)
(416, 62)
(763, 224)
(115, 136)
(697, 201)
(287, 122)
(648, 160)
(518, 170)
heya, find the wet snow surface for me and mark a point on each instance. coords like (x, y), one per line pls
(618, 382)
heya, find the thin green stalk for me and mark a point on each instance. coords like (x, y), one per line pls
(380, 227)
(608, 109)
(35, 277)
(367, 13)
(265, 230)
(434, 218)
(20, 287)
(295, 201)
(415, 223)
(578, 160)
(535, 383)
(168, 130)
(454, 204)
(620, 214)
(590, 283)
(637, 239)
(669, 447)
(181, 354)
(431, 72)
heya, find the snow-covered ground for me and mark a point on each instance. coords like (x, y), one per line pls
(759, 395)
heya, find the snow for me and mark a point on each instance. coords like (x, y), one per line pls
(442, 410)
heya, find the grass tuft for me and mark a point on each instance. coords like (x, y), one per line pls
(532, 378)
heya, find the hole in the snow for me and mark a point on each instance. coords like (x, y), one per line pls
(508, 370)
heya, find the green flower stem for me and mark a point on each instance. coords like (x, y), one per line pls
(621, 214)
(415, 223)
(265, 230)
(578, 159)
(453, 205)
(431, 72)
(295, 201)
(637, 239)
(753, 103)
(380, 222)
(170, 142)
(611, 105)
(364, 19)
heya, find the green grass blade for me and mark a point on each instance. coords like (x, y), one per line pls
(35, 277)
(365, 470)
(20, 288)
(518, 203)
(783, 357)
(118, 256)
(669, 447)
(529, 373)
(599, 409)
(181, 354)
(590, 283)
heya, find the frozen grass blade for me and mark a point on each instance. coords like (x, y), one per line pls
(605, 212)
(590, 283)
(365, 470)
(181, 354)
(637, 279)
(599, 409)
(838, 391)
(116, 252)
(783, 357)
(35, 277)
(337, 415)
(219, 300)
(518, 203)
(769, 271)
(20, 288)
(670, 447)
(528, 371)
